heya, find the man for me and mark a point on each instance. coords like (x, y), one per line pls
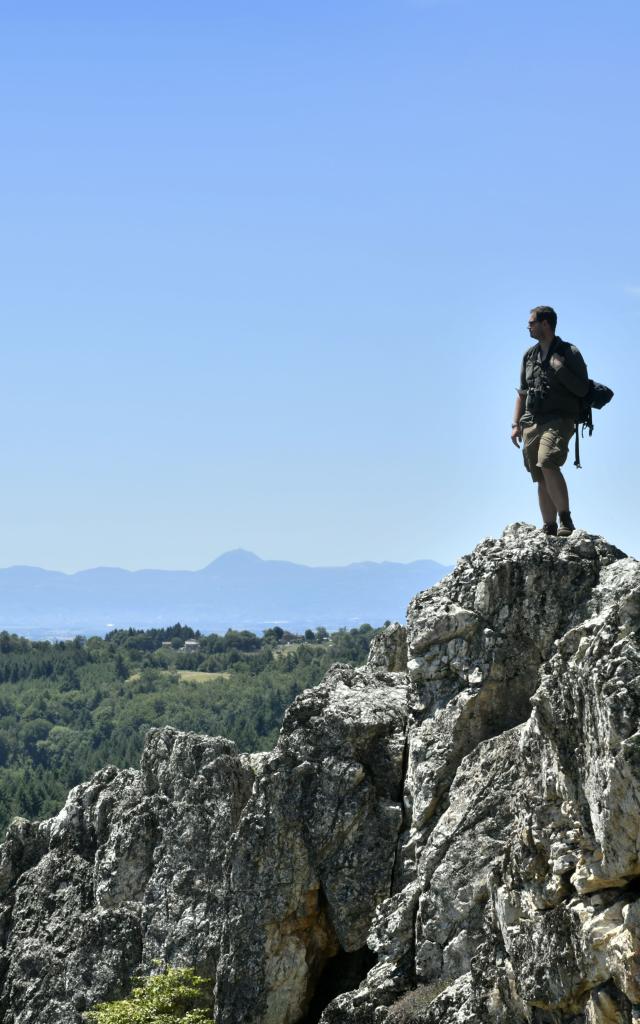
(553, 379)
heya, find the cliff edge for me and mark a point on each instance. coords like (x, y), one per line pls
(450, 833)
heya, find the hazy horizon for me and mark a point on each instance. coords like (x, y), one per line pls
(238, 590)
(210, 561)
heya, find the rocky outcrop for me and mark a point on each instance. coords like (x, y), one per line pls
(450, 833)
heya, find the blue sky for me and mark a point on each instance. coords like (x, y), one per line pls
(267, 268)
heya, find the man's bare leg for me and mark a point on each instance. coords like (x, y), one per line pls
(547, 508)
(556, 488)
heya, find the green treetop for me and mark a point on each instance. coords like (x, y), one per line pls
(174, 995)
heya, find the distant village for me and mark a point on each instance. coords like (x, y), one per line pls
(286, 640)
(189, 647)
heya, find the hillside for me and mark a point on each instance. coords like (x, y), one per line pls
(70, 708)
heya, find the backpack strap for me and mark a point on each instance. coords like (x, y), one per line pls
(576, 460)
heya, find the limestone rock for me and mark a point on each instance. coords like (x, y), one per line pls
(450, 833)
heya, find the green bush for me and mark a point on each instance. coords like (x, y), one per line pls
(174, 995)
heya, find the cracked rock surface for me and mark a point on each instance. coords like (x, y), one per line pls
(450, 833)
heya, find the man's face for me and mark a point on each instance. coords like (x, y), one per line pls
(536, 327)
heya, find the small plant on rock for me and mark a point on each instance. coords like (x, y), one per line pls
(408, 1008)
(174, 995)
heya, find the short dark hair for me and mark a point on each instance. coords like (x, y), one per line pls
(546, 313)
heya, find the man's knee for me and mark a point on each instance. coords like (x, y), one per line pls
(549, 472)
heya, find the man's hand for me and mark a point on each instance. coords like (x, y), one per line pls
(516, 435)
(556, 362)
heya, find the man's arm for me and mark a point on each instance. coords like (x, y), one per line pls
(572, 372)
(518, 409)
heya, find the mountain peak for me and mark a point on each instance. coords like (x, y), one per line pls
(234, 558)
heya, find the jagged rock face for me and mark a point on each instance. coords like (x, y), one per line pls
(255, 869)
(448, 834)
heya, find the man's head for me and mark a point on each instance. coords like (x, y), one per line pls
(542, 323)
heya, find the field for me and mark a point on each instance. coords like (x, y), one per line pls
(202, 677)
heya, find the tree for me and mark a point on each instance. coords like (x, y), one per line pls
(273, 635)
(174, 995)
(120, 665)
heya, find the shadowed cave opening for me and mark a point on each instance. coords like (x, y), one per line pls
(632, 888)
(342, 973)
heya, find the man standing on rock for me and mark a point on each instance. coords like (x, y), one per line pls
(553, 379)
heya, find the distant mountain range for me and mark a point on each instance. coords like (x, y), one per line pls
(238, 590)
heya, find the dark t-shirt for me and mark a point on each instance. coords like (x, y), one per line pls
(552, 394)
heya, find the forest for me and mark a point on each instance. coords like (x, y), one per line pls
(69, 708)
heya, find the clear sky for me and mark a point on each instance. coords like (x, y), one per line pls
(266, 269)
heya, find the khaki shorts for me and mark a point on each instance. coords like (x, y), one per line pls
(546, 445)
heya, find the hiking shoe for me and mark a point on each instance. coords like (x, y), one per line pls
(551, 529)
(566, 524)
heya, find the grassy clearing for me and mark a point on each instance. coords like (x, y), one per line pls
(202, 677)
(188, 676)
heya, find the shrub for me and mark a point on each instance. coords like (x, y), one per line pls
(174, 995)
(409, 1007)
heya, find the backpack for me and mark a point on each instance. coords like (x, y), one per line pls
(596, 397)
